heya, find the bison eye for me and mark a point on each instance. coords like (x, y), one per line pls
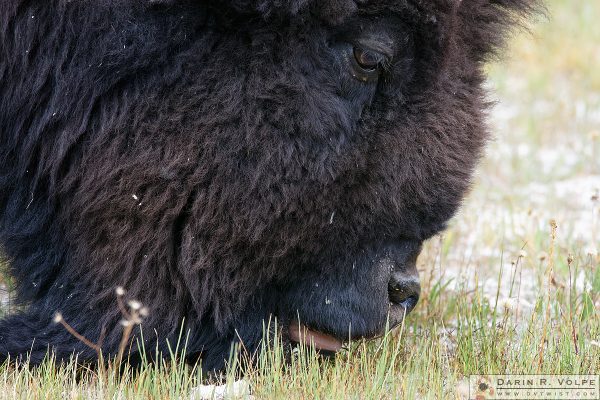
(367, 59)
(366, 64)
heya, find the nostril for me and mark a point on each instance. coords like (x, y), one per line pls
(410, 303)
(404, 291)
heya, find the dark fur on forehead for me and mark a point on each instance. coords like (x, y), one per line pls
(492, 16)
(489, 13)
(333, 10)
(478, 25)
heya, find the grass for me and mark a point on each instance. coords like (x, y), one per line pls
(512, 287)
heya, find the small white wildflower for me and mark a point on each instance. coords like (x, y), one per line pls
(120, 291)
(125, 323)
(134, 305)
(135, 197)
(58, 318)
(144, 312)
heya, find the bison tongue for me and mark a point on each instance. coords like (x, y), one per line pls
(321, 341)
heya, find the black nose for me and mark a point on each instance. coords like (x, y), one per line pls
(404, 290)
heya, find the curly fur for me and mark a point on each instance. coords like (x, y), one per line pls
(217, 160)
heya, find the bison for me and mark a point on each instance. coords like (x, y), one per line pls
(231, 162)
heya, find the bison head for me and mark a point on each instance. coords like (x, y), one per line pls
(229, 162)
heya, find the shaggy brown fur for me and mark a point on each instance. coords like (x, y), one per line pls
(226, 161)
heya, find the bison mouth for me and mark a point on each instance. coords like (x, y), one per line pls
(356, 296)
(335, 305)
(325, 343)
(300, 334)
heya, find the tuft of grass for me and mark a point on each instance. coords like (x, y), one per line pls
(512, 287)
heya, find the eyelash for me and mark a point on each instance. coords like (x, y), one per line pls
(368, 65)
